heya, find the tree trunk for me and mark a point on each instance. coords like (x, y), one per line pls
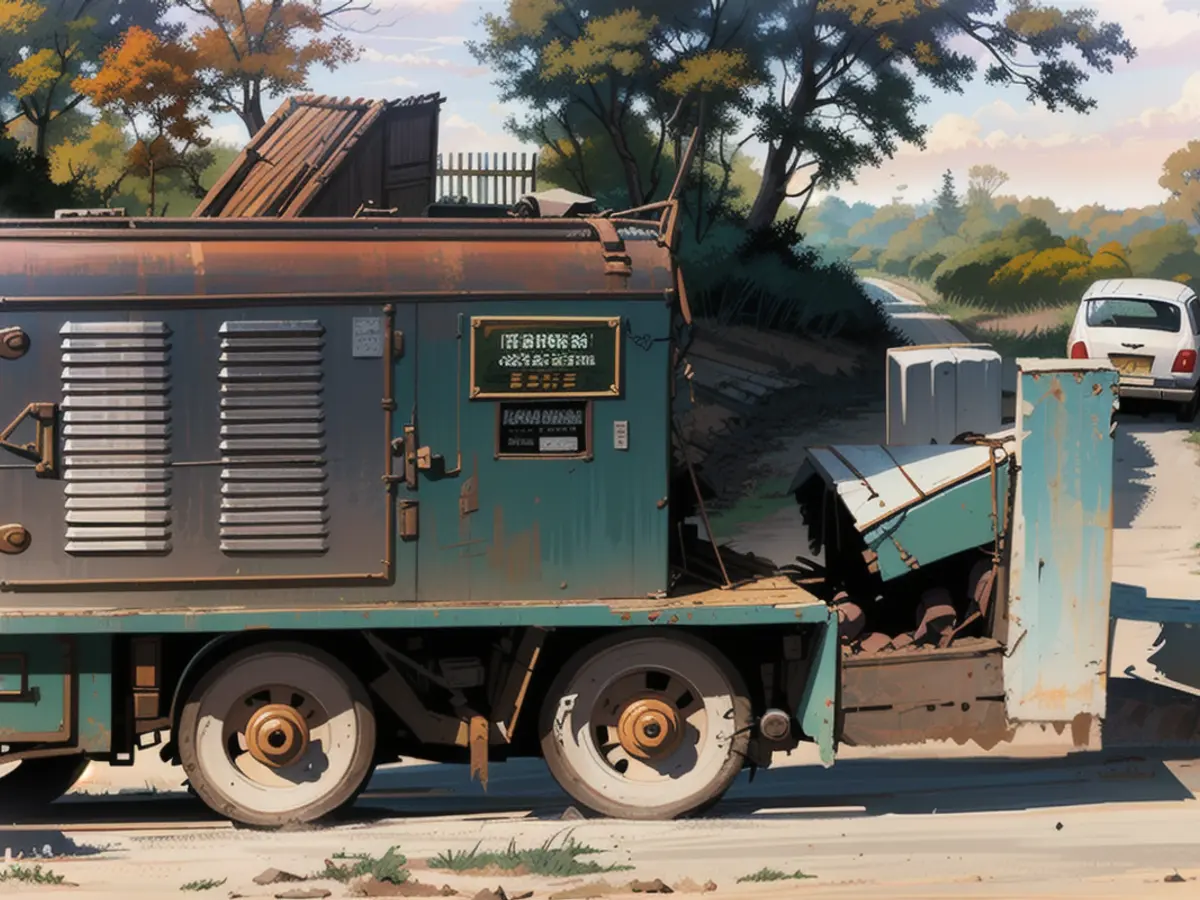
(251, 113)
(41, 127)
(773, 190)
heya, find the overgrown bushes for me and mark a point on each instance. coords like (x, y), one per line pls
(765, 281)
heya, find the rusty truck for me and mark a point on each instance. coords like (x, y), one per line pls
(284, 501)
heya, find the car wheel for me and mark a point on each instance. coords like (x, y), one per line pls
(1186, 412)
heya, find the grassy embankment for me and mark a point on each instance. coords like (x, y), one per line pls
(1037, 332)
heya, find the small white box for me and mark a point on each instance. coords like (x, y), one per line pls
(620, 435)
(935, 394)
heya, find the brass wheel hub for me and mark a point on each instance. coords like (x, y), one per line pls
(648, 728)
(276, 735)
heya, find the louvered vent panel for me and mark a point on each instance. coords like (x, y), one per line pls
(116, 415)
(273, 479)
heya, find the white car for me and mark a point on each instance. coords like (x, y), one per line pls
(1150, 331)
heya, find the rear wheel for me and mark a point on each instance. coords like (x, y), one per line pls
(276, 735)
(646, 728)
(1186, 412)
(28, 786)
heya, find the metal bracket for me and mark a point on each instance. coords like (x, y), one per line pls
(41, 451)
(14, 343)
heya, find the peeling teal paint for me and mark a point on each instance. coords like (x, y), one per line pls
(1061, 567)
(557, 530)
(34, 683)
(566, 615)
(947, 523)
(818, 710)
(94, 666)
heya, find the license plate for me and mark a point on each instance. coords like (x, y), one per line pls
(1132, 365)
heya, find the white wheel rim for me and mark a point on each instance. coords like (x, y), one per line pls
(326, 705)
(8, 768)
(668, 669)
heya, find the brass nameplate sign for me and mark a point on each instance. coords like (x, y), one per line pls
(543, 356)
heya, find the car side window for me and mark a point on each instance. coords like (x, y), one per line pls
(1193, 308)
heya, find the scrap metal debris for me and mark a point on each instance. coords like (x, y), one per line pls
(304, 894)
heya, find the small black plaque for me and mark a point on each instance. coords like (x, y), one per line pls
(535, 429)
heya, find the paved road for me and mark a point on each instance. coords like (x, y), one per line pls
(909, 315)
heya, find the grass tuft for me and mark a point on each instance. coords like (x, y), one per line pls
(764, 874)
(389, 867)
(552, 861)
(205, 884)
(31, 875)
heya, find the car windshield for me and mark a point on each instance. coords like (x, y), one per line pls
(1121, 312)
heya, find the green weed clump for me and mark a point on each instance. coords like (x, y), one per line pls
(204, 884)
(765, 874)
(31, 875)
(388, 867)
(560, 861)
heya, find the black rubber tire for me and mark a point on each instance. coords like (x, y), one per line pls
(36, 783)
(344, 793)
(1186, 412)
(596, 802)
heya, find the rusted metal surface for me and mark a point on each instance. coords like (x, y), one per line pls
(41, 263)
(328, 156)
(1061, 555)
(14, 538)
(14, 343)
(916, 696)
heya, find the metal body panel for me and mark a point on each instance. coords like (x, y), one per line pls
(225, 491)
(915, 505)
(543, 529)
(1061, 546)
(36, 687)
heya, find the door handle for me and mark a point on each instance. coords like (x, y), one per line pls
(41, 452)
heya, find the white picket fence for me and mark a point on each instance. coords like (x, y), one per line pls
(486, 177)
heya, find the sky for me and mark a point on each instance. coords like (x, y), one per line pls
(1113, 155)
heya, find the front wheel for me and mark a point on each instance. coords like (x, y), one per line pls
(279, 734)
(646, 727)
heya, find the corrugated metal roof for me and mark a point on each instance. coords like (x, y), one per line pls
(294, 154)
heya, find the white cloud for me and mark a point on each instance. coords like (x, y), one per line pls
(232, 133)
(458, 134)
(1150, 24)
(1185, 109)
(421, 61)
(1117, 165)
(448, 41)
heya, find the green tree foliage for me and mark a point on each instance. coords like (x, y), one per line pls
(1166, 252)
(46, 45)
(982, 184)
(966, 277)
(830, 86)
(947, 210)
(1181, 179)
(905, 245)
(26, 188)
